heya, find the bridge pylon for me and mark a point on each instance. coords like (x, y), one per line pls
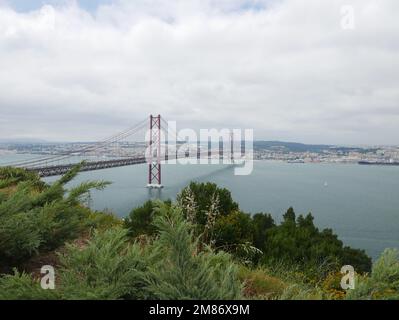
(232, 147)
(154, 165)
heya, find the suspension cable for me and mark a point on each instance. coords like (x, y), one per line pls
(96, 146)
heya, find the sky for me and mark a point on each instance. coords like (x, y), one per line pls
(295, 70)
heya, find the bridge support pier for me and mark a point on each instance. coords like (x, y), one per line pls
(154, 166)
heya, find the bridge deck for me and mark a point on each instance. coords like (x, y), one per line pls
(88, 166)
(57, 170)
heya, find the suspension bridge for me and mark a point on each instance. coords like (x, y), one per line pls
(155, 151)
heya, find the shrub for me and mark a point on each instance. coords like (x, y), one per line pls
(258, 284)
(104, 220)
(261, 223)
(34, 219)
(109, 267)
(10, 176)
(140, 220)
(203, 195)
(233, 229)
(383, 282)
(298, 241)
(22, 286)
(332, 286)
(184, 272)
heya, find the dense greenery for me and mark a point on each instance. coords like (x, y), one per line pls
(140, 220)
(37, 217)
(383, 282)
(109, 267)
(295, 241)
(201, 247)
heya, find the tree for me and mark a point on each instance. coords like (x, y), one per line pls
(140, 220)
(233, 229)
(289, 216)
(300, 242)
(202, 194)
(261, 223)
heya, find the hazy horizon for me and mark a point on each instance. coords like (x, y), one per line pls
(41, 141)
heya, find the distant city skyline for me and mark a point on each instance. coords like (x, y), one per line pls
(83, 70)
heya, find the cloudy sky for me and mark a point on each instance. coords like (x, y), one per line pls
(296, 70)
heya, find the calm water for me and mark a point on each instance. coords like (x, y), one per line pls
(360, 203)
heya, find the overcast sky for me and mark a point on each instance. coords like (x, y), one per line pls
(292, 70)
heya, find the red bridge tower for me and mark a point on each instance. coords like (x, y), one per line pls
(154, 166)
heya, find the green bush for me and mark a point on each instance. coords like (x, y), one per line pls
(297, 241)
(140, 220)
(10, 176)
(34, 219)
(203, 195)
(259, 284)
(261, 224)
(382, 283)
(184, 272)
(22, 286)
(109, 267)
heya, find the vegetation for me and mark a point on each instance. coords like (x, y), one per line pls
(257, 239)
(383, 282)
(298, 241)
(201, 247)
(110, 267)
(36, 217)
(140, 220)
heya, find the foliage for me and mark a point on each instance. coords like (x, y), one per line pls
(332, 286)
(174, 251)
(36, 216)
(109, 267)
(234, 228)
(102, 221)
(259, 284)
(302, 292)
(255, 239)
(203, 195)
(10, 176)
(382, 283)
(217, 220)
(140, 220)
(262, 222)
(21, 286)
(106, 268)
(185, 272)
(234, 234)
(298, 241)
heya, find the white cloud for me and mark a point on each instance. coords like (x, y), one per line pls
(288, 70)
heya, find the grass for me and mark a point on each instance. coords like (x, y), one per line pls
(258, 284)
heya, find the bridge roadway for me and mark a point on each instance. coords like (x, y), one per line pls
(57, 170)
